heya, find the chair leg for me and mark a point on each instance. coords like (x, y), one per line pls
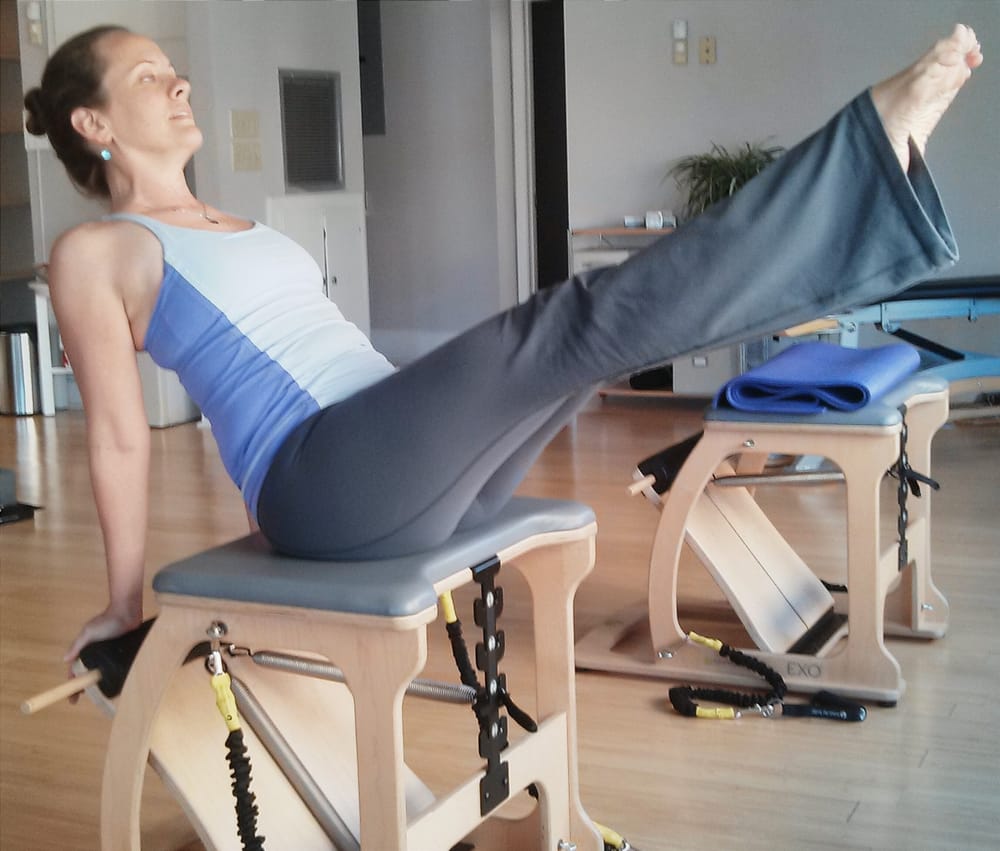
(167, 644)
(917, 607)
(553, 575)
(378, 666)
(863, 459)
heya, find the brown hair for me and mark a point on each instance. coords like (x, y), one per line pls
(73, 77)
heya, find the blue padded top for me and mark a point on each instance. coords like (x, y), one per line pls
(883, 411)
(248, 570)
(812, 377)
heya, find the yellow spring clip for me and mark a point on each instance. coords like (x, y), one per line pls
(721, 713)
(224, 697)
(612, 839)
(682, 696)
(711, 643)
(448, 607)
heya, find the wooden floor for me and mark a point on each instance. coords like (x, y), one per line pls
(923, 775)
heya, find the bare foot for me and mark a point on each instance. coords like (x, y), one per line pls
(911, 103)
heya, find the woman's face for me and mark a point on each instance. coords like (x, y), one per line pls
(146, 102)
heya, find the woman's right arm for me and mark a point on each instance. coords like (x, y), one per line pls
(86, 268)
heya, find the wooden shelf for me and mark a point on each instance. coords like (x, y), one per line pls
(613, 239)
(617, 231)
(623, 390)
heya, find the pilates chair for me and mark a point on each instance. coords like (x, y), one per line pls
(816, 639)
(369, 619)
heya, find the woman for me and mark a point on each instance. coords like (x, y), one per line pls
(336, 453)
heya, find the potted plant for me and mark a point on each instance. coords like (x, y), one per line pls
(707, 178)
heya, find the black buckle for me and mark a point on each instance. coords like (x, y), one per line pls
(494, 787)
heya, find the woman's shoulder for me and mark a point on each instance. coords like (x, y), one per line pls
(103, 243)
(99, 233)
(109, 250)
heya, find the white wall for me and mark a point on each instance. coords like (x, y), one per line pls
(235, 52)
(784, 66)
(431, 179)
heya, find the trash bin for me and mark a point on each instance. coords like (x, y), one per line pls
(19, 392)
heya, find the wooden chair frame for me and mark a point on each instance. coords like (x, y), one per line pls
(882, 600)
(379, 657)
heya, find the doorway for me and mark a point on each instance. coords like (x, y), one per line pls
(548, 62)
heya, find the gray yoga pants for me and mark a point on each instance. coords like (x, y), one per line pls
(442, 443)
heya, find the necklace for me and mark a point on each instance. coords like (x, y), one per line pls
(203, 212)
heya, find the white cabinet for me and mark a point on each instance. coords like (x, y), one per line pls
(331, 227)
(702, 374)
(591, 248)
(586, 259)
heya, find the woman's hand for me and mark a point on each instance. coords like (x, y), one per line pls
(108, 624)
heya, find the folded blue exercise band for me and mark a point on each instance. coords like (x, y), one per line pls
(809, 378)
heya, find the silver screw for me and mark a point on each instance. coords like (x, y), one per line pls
(749, 444)
(217, 629)
(926, 607)
(566, 845)
(664, 654)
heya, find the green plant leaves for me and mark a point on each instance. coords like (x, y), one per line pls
(710, 177)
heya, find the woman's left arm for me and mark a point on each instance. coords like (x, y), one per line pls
(84, 272)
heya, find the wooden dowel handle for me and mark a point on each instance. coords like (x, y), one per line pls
(639, 486)
(814, 327)
(66, 689)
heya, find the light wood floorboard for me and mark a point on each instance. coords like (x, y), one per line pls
(923, 775)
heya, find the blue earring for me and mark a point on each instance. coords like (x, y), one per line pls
(105, 154)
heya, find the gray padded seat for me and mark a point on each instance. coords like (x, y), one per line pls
(248, 570)
(883, 411)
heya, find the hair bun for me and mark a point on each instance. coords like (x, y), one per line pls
(34, 103)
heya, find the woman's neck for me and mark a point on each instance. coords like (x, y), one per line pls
(150, 194)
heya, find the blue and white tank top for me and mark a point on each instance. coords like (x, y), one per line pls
(242, 319)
